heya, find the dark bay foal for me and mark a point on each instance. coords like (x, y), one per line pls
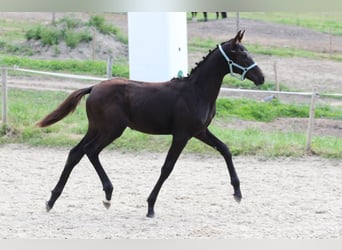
(182, 107)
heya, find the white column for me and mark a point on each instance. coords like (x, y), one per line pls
(157, 45)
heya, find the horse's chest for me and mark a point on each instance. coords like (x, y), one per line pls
(208, 116)
(202, 116)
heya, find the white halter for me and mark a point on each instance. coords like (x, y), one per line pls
(231, 64)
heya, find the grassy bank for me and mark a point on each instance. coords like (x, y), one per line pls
(27, 107)
(68, 29)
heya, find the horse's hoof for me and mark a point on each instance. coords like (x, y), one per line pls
(237, 198)
(150, 215)
(48, 207)
(106, 204)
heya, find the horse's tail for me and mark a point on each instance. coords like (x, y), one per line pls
(69, 105)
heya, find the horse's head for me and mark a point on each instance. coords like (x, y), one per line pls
(240, 61)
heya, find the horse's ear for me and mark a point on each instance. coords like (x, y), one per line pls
(241, 35)
(238, 37)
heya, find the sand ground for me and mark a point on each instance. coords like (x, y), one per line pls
(283, 198)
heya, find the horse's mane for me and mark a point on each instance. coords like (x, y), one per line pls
(198, 64)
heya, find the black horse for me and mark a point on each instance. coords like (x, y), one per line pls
(205, 14)
(182, 107)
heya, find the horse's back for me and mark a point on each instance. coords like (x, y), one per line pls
(146, 106)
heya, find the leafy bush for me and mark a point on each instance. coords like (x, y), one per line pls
(72, 31)
(72, 38)
(70, 22)
(34, 33)
(49, 35)
(99, 23)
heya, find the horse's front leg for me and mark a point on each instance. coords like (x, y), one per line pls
(178, 144)
(211, 140)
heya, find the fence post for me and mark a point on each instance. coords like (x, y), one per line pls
(93, 56)
(53, 21)
(277, 86)
(237, 21)
(109, 66)
(330, 42)
(311, 120)
(4, 95)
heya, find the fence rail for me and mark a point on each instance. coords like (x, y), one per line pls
(79, 77)
(314, 94)
(278, 92)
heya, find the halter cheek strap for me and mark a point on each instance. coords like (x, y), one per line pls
(231, 64)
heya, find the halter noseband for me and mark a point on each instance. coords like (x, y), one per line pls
(231, 64)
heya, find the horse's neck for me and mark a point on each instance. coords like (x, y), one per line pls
(209, 76)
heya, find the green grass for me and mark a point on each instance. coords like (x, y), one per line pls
(14, 30)
(320, 21)
(275, 144)
(268, 111)
(27, 107)
(197, 44)
(292, 52)
(88, 67)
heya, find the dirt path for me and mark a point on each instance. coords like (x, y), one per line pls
(283, 198)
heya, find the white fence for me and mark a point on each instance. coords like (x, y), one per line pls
(314, 94)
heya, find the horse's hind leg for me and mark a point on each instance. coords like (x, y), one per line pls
(93, 149)
(74, 157)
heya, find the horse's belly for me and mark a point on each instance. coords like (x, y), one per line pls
(151, 126)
